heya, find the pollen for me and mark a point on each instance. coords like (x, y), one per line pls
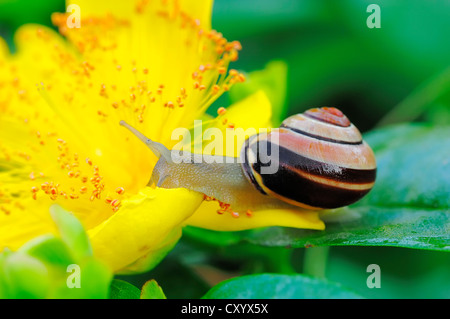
(221, 111)
(115, 204)
(215, 89)
(233, 72)
(91, 98)
(170, 105)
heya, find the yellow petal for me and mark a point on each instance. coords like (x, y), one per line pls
(153, 256)
(207, 217)
(248, 117)
(143, 225)
(255, 111)
(101, 7)
(200, 10)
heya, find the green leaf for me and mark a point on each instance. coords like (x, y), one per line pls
(72, 232)
(413, 167)
(274, 286)
(121, 289)
(372, 226)
(408, 207)
(273, 81)
(94, 281)
(178, 279)
(50, 250)
(405, 273)
(151, 290)
(211, 237)
(23, 276)
(45, 268)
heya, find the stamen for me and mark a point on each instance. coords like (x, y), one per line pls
(221, 111)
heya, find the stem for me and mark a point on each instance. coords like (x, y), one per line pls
(315, 262)
(417, 102)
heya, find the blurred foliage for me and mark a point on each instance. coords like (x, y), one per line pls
(14, 13)
(334, 59)
(279, 287)
(304, 54)
(44, 267)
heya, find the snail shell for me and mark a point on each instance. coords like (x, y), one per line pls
(323, 162)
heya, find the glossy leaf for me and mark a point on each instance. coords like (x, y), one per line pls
(372, 226)
(408, 207)
(273, 286)
(151, 290)
(121, 289)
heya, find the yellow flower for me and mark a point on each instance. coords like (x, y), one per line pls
(155, 64)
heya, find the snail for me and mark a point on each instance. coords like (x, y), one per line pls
(322, 161)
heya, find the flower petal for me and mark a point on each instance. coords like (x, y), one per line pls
(143, 224)
(207, 217)
(200, 10)
(255, 111)
(250, 114)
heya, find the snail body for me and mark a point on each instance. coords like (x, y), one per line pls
(322, 163)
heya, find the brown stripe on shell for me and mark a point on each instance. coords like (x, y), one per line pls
(347, 156)
(302, 192)
(296, 161)
(304, 182)
(322, 161)
(329, 115)
(319, 137)
(334, 183)
(246, 165)
(327, 131)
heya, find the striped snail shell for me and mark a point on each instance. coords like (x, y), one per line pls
(323, 161)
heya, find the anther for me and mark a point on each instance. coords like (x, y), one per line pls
(222, 70)
(221, 111)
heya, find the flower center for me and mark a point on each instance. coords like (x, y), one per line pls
(158, 71)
